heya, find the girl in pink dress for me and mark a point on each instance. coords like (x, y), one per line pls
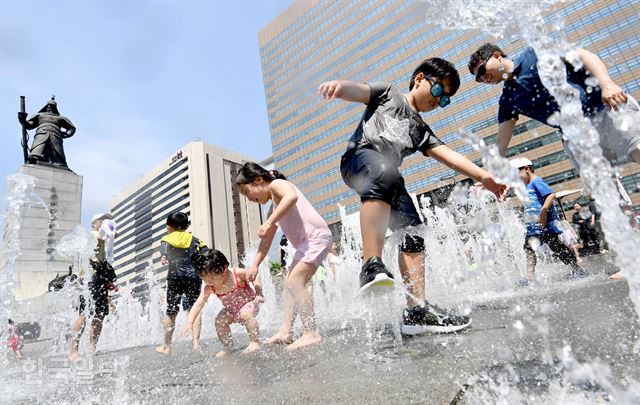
(232, 286)
(306, 231)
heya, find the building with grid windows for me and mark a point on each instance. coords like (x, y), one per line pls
(370, 41)
(197, 180)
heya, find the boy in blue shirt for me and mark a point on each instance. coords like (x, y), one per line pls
(543, 222)
(391, 129)
(523, 93)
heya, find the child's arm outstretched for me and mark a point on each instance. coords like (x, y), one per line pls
(195, 310)
(263, 249)
(461, 164)
(345, 90)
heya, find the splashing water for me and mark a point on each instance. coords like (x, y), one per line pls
(21, 194)
(525, 18)
(498, 166)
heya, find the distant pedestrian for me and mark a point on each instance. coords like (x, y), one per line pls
(14, 340)
(542, 220)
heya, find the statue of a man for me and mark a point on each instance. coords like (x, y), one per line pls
(52, 128)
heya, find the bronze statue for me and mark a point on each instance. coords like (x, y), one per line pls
(52, 128)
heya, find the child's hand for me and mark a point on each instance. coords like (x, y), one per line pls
(186, 329)
(252, 273)
(259, 299)
(329, 90)
(164, 261)
(613, 96)
(264, 229)
(500, 190)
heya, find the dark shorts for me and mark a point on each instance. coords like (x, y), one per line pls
(558, 249)
(99, 304)
(177, 287)
(369, 174)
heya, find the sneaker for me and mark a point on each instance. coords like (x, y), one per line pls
(374, 272)
(429, 318)
(577, 272)
(524, 282)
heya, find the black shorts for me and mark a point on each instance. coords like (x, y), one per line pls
(373, 177)
(177, 287)
(99, 304)
(558, 249)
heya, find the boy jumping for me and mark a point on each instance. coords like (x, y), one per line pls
(390, 130)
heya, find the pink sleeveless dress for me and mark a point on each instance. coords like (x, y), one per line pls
(306, 231)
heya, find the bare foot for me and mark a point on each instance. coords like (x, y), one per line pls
(163, 349)
(616, 276)
(280, 338)
(223, 353)
(196, 346)
(307, 339)
(252, 348)
(73, 357)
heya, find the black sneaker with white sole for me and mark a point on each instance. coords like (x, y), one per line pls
(375, 273)
(577, 272)
(431, 319)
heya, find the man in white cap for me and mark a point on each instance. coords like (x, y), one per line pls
(543, 222)
(103, 279)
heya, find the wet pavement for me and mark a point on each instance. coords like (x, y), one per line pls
(564, 341)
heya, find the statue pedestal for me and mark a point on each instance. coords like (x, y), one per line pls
(38, 262)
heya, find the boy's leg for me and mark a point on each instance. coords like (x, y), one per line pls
(532, 259)
(94, 331)
(169, 324)
(562, 252)
(374, 220)
(223, 329)
(296, 282)
(412, 271)
(100, 298)
(374, 178)
(174, 295)
(420, 316)
(76, 330)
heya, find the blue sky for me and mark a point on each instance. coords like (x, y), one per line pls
(138, 80)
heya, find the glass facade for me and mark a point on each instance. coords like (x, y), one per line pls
(370, 41)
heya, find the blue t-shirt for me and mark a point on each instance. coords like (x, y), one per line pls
(538, 192)
(526, 95)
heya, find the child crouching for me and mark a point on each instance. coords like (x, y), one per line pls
(240, 301)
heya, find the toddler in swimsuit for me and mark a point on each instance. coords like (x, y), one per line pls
(232, 286)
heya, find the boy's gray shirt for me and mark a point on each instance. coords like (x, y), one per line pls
(390, 126)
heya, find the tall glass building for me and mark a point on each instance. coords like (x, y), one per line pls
(375, 40)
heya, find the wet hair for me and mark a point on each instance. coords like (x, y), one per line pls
(440, 69)
(10, 321)
(209, 261)
(250, 171)
(483, 53)
(178, 220)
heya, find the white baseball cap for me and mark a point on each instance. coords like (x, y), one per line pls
(520, 162)
(98, 217)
